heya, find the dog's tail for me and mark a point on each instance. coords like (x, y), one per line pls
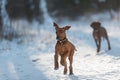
(75, 49)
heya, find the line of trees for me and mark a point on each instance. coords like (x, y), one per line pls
(30, 9)
(24, 9)
(74, 8)
(57, 8)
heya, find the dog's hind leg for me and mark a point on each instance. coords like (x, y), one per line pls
(109, 47)
(108, 42)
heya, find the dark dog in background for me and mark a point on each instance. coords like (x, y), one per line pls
(98, 33)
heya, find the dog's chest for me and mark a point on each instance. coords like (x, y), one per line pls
(62, 48)
(96, 34)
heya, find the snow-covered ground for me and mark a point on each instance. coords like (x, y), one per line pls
(32, 58)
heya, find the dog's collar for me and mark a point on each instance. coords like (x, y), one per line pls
(96, 30)
(63, 40)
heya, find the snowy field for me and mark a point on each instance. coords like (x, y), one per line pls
(31, 58)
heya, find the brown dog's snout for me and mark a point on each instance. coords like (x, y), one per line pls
(58, 38)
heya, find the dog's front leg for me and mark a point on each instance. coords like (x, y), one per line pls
(56, 65)
(99, 45)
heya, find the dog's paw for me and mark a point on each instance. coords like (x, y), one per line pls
(71, 74)
(109, 48)
(56, 68)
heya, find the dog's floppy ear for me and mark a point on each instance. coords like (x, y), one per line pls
(55, 25)
(95, 24)
(67, 27)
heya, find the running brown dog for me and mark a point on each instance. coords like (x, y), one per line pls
(64, 48)
(98, 33)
